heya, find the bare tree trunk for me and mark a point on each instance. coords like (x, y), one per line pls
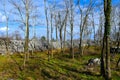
(71, 27)
(101, 30)
(93, 24)
(47, 29)
(72, 50)
(108, 70)
(7, 46)
(61, 41)
(118, 37)
(24, 10)
(27, 34)
(65, 25)
(7, 43)
(83, 20)
(6, 15)
(34, 26)
(64, 37)
(56, 29)
(107, 10)
(80, 45)
(62, 23)
(56, 33)
(51, 36)
(82, 26)
(25, 59)
(103, 59)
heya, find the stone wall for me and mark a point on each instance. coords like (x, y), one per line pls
(18, 45)
(34, 45)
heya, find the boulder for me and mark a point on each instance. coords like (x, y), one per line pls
(94, 61)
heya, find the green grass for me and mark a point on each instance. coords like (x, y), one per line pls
(61, 67)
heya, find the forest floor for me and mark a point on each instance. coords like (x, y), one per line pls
(60, 67)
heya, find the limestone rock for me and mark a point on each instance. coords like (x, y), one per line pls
(93, 61)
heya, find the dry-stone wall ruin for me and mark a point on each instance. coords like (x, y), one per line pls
(34, 45)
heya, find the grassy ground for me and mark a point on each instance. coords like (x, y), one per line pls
(61, 67)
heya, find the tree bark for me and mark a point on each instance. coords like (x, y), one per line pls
(93, 24)
(56, 28)
(51, 35)
(61, 40)
(103, 59)
(107, 12)
(64, 36)
(26, 57)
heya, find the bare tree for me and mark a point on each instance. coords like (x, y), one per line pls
(52, 15)
(46, 14)
(99, 33)
(23, 11)
(34, 25)
(83, 20)
(60, 19)
(93, 24)
(60, 30)
(65, 25)
(56, 26)
(115, 22)
(51, 21)
(7, 14)
(71, 21)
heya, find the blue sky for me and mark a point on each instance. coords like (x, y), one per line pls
(41, 28)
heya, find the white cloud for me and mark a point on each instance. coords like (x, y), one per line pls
(3, 29)
(2, 18)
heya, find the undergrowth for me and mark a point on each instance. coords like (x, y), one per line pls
(61, 67)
